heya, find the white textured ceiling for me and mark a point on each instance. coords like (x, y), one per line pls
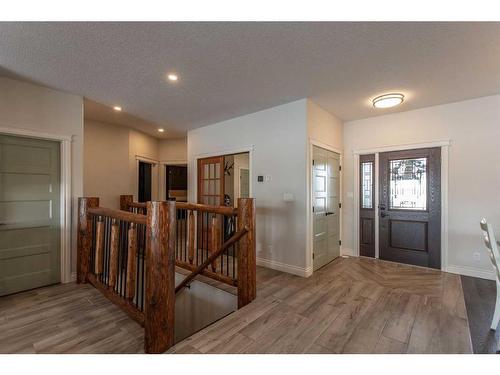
(231, 69)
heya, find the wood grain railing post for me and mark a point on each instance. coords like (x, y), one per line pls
(113, 261)
(99, 246)
(160, 276)
(247, 281)
(131, 262)
(84, 241)
(125, 201)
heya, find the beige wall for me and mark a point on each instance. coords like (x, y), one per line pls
(106, 162)
(110, 161)
(325, 130)
(473, 127)
(173, 150)
(35, 108)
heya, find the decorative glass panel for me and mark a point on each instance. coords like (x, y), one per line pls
(212, 171)
(408, 184)
(217, 170)
(367, 184)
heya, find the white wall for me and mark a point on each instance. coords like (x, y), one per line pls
(473, 126)
(279, 139)
(110, 161)
(35, 108)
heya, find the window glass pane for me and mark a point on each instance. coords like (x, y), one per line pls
(408, 184)
(217, 170)
(212, 171)
(367, 187)
(205, 168)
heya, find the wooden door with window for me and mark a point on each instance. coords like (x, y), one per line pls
(211, 181)
(367, 205)
(211, 192)
(410, 207)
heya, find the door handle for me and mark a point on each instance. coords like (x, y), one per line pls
(329, 213)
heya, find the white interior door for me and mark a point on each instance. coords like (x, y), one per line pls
(326, 218)
(29, 213)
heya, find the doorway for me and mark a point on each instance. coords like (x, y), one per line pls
(407, 218)
(176, 182)
(30, 227)
(410, 207)
(145, 181)
(326, 206)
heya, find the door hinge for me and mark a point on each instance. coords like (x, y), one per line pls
(340, 167)
(313, 208)
(340, 242)
(340, 205)
(313, 255)
(313, 161)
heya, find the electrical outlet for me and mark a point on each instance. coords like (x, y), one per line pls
(477, 256)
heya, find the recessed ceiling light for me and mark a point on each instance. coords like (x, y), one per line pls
(172, 77)
(388, 100)
(117, 108)
(161, 130)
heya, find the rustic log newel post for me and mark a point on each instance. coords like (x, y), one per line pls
(160, 276)
(247, 281)
(125, 201)
(84, 241)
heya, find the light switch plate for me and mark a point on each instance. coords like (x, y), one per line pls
(288, 197)
(267, 177)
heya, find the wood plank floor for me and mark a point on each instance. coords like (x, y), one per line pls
(352, 305)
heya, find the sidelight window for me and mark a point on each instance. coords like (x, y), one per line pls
(367, 184)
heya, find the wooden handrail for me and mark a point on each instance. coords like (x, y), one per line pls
(126, 201)
(222, 210)
(235, 238)
(119, 215)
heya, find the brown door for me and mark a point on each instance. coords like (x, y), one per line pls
(211, 181)
(366, 207)
(410, 207)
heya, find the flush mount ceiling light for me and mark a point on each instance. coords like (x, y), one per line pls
(161, 130)
(388, 100)
(117, 108)
(172, 77)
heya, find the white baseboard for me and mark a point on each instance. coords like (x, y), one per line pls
(283, 267)
(474, 272)
(347, 251)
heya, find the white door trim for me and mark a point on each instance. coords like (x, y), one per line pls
(444, 192)
(309, 218)
(250, 149)
(65, 191)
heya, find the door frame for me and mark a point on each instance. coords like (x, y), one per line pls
(65, 192)
(194, 166)
(444, 145)
(309, 217)
(155, 183)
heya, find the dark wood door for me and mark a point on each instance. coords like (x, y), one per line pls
(367, 205)
(410, 207)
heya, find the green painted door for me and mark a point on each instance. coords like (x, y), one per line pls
(29, 213)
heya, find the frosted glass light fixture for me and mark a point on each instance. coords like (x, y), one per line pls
(388, 100)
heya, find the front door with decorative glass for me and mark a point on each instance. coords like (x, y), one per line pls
(410, 207)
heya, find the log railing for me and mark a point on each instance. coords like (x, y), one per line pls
(202, 230)
(129, 258)
(130, 255)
